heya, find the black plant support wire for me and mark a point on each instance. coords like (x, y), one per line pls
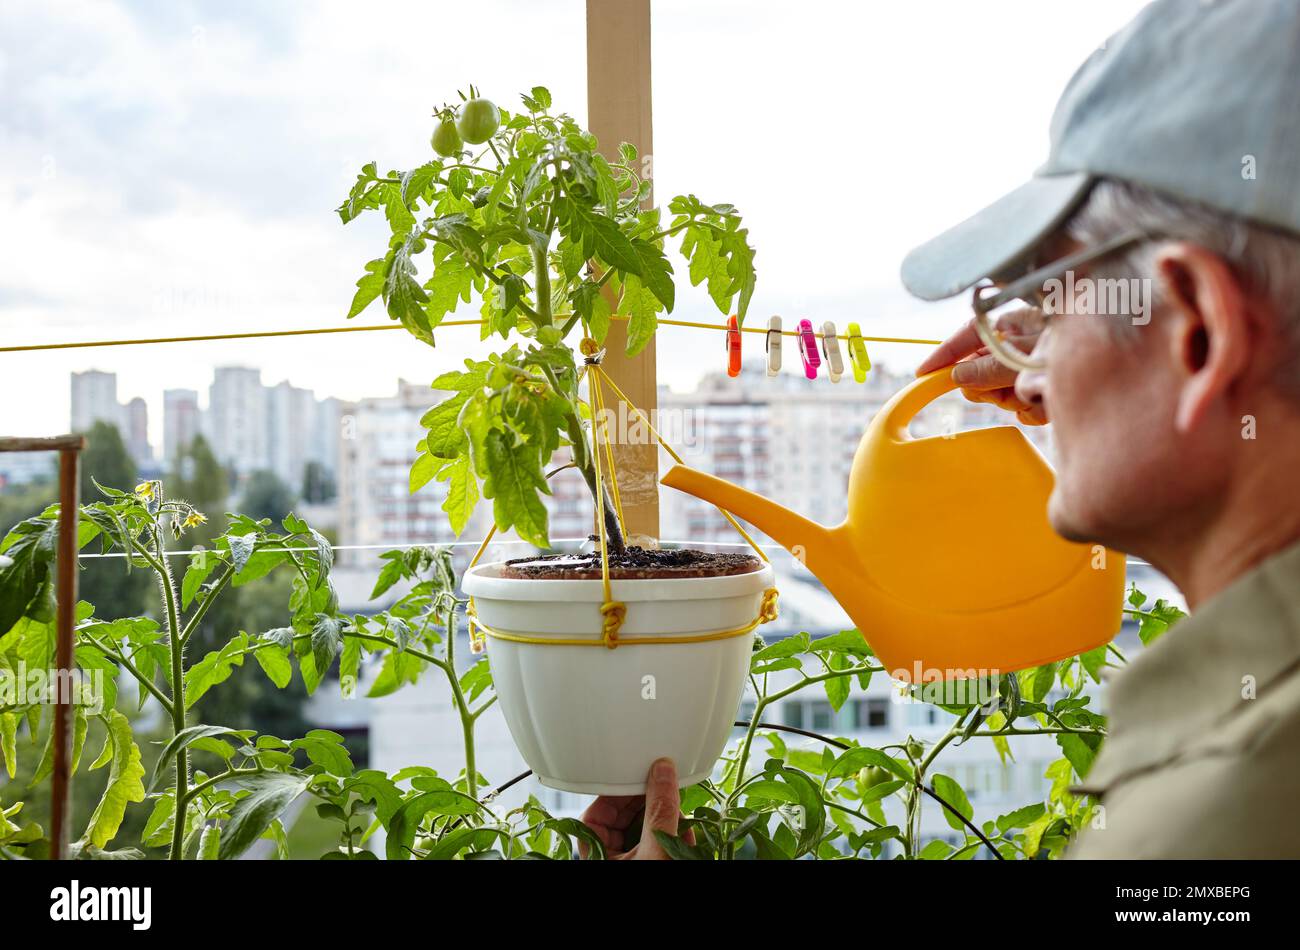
(742, 724)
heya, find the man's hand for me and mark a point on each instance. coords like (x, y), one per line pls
(981, 377)
(611, 816)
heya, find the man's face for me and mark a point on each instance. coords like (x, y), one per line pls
(1123, 474)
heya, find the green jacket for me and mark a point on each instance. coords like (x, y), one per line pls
(1202, 759)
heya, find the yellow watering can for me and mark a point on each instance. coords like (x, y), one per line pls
(934, 595)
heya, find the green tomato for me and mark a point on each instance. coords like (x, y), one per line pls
(446, 140)
(478, 120)
(872, 776)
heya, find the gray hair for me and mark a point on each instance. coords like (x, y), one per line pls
(1267, 261)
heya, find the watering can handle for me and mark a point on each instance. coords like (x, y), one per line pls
(898, 413)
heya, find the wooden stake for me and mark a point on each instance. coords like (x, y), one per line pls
(61, 778)
(618, 110)
(69, 448)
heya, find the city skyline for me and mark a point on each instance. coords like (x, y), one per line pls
(197, 197)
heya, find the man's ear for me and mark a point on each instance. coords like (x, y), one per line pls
(1211, 338)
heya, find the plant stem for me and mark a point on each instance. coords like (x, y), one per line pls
(466, 716)
(125, 661)
(197, 616)
(177, 648)
(762, 702)
(742, 758)
(582, 449)
(583, 462)
(542, 288)
(203, 786)
(614, 539)
(1042, 731)
(918, 785)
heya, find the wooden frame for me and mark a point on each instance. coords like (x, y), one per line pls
(69, 448)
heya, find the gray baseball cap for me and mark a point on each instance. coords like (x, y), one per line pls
(1198, 99)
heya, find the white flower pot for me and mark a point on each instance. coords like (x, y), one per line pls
(592, 719)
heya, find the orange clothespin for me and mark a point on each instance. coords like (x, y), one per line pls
(831, 347)
(773, 346)
(733, 346)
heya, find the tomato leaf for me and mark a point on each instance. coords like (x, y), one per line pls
(952, 793)
(124, 781)
(269, 794)
(514, 483)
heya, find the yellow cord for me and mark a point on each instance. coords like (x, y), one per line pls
(599, 397)
(612, 612)
(261, 334)
(669, 449)
(767, 612)
(723, 326)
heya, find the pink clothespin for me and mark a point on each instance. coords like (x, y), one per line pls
(808, 349)
(733, 346)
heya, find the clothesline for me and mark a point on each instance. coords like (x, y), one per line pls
(368, 328)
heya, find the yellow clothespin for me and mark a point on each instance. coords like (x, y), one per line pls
(858, 354)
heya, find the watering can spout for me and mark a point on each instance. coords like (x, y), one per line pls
(809, 541)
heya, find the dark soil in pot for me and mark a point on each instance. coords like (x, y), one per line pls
(635, 563)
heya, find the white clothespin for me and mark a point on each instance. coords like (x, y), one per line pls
(831, 347)
(773, 346)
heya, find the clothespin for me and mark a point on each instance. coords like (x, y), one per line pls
(831, 347)
(858, 354)
(733, 346)
(808, 349)
(773, 346)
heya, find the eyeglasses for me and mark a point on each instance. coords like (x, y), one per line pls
(1029, 289)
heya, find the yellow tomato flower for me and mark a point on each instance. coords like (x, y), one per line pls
(144, 489)
(195, 519)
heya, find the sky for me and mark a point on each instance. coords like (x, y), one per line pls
(171, 168)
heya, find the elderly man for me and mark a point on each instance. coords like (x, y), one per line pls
(1159, 251)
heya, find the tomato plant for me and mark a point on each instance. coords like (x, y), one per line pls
(551, 236)
(213, 791)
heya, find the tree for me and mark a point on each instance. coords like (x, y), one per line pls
(265, 496)
(105, 460)
(25, 501)
(317, 484)
(106, 582)
(201, 480)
